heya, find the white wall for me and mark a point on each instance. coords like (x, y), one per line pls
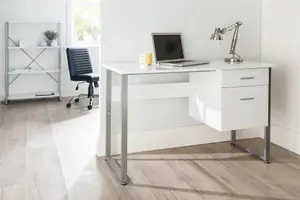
(38, 10)
(281, 45)
(126, 32)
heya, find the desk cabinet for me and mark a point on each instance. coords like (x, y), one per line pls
(231, 99)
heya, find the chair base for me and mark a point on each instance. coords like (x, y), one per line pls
(85, 96)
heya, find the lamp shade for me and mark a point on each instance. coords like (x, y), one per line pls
(217, 35)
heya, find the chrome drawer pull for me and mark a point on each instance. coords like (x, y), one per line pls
(247, 99)
(248, 78)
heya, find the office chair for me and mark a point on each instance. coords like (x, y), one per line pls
(80, 68)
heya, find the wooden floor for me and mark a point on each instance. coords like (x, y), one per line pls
(47, 152)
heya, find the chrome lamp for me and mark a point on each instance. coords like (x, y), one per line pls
(218, 35)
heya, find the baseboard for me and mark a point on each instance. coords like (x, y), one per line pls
(67, 91)
(282, 136)
(285, 137)
(169, 138)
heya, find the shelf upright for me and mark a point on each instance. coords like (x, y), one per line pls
(6, 62)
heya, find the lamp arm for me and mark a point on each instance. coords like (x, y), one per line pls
(234, 40)
(235, 27)
(231, 27)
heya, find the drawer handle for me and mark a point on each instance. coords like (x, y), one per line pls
(247, 99)
(248, 78)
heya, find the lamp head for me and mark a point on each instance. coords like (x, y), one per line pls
(217, 35)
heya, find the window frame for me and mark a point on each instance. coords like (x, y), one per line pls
(71, 5)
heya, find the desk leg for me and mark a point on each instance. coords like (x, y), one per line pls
(267, 149)
(124, 128)
(233, 137)
(267, 141)
(267, 137)
(108, 115)
(120, 170)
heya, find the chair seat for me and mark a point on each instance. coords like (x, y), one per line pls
(90, 77)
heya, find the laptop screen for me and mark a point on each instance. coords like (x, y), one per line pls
(168, 47)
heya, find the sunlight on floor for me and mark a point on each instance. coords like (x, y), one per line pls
(76, 141)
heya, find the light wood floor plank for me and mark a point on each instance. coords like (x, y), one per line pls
(238, 179)
(47, 152)
(39, 128)
(268, 175)
(44, 170)
(14, 150)
(141, 186)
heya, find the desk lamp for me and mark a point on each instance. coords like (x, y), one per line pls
(218, 35)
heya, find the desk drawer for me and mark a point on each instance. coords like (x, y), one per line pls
(244, 107)
(246, 77)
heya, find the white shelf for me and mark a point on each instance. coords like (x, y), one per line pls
(33, 71)
(33, 22)
(32, 96)
(37, 47)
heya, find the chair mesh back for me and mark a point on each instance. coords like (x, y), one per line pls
(79, 61)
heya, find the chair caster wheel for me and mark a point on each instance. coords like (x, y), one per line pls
(69, 105)
(123, 183)
(76, 100)
(90, 107)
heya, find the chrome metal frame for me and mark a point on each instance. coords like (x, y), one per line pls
(267, 136)
(119, 169)
(6, 62)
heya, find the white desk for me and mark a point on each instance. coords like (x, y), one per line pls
(227, 97)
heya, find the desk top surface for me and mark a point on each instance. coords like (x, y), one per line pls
(131, 68)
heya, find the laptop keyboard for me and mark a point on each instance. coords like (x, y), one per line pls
(180, 61)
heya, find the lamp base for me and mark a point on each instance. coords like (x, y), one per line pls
(233, 60)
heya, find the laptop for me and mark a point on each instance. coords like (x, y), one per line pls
(169, 51)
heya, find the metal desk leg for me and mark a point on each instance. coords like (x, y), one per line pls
(124, 129)
(266, 155)
(267, 141)
(267, 150)
(233, 138)
(108, 115)
(267, 137)
(121, 170)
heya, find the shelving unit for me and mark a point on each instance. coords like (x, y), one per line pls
(14, 73)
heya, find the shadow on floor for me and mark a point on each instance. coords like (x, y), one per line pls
(282, 155)
(233, 158)
(210, 193)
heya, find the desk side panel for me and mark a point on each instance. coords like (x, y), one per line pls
(205, 103)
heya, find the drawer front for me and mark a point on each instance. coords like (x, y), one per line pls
(244, 107)
(247, 77)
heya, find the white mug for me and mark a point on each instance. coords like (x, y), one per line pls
(145, 59)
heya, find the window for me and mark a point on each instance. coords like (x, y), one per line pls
(85, 16)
